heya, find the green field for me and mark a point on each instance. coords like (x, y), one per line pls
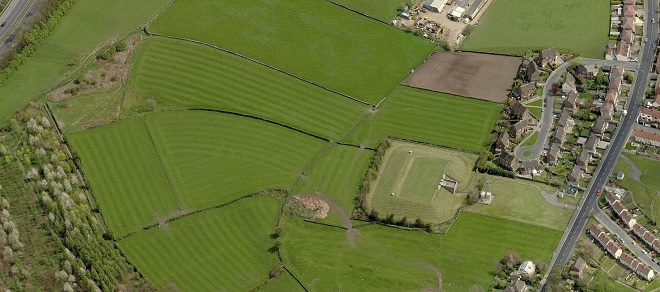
(337, 174)
(521, 201)
(381, 10)
(514, 26)
(390, 259)
(81, 112)
(646, 191)
(211, 249)
(532, 139)
(413, 179)
(426, 116)
(316, 40)
(88, 25)
(185, 75)
(126, 175)
(200, 158)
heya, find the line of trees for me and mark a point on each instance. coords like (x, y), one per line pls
(50, 14)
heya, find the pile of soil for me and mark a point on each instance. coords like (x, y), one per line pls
(318, 207)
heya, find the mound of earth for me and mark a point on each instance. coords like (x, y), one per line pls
(310, 207)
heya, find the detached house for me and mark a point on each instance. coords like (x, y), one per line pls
(502, 142)
(575, 176)
(564, 119)
(508, 161)
(547, 56)
(569, 83)
(578, 268)
(519, 129)
(526, 90)
(532, 72)
(553, 155)
(519, 111)
(586, 71)
(559, 137)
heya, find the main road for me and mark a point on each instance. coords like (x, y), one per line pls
(12, 17)
(579, 221)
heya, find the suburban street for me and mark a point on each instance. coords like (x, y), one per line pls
(579, 221)
(617, 230)
(12, 17)
(546, 117)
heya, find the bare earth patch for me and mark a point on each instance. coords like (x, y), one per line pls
(317, 207)
(481, 76)
(109, 74)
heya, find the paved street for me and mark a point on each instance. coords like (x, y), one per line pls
(12, 17)
(579, 220)
(617, 230)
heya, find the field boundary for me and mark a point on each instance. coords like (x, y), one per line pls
(259, 193)
(146, 30)
(177, 198)
(432, 145)
(358, 12)
(461, 96)
(511, 219)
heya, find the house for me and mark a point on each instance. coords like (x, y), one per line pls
(508, 161)
(517, 286)
(532, 72)
(637, 266)
(502, 142)
(569, 83)
(579, 267)
(649, 116)
(645, 272)
(584, 159)
(613, 249)
(656, 101)
(526, 90)
(531, 167)
(627, 36)
(559, 137)
(592, 142)
(622, 51)
(611, 198)
(595, 231)
(617, 71)
(519, 129)
(610, 246)
(646, 236)
(628, 23)
(564, 118)
(547, 56)
(553, 155)
(607, 111)
(527, 268)
(628, 218)
(575, 176)
(615, 84)
(586, 71)
(571, 102)
(519, 111)
(629, 261)
(600, 126)
(618, 208)
(628, 10)
(612, 96)
(647, 137)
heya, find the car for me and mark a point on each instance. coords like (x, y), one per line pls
(3, 24)
(598, 192)
(658, 263)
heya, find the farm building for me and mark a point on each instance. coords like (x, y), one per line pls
(474, 9)
(435, 5)
(456, 12)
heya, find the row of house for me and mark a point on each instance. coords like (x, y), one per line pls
(646, 137)
(616, 252)
(620, 210)
(650, 116)
(647, 236)
(627, 33)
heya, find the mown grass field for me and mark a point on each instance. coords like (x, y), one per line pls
(88, 25)
(381, 10)
(413, 179)
(81, 112)
(126, 175)
(645, 191)
(521, 201)
(426, 116)
(212, 158)
(512, 27)
(214, 249)
(336, 174)
(391, 259)
(316, 40)
(179, 74)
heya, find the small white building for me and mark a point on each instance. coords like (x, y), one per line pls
(527, 267)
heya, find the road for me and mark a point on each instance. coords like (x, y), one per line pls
(546, 117)
(579, 220)
(616, 230)
(12, 17)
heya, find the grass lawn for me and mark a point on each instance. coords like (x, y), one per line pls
(426, 116)
(532, 139)
(126, 175)
(391, 259)
(520, 200)
(514, 26)
(337, 174)
(81, 112)
(650, 170)
(645, 196)
(90, 24)
(414, 178)
(316, 40)
(536, 111)
(283, 282)
(185, 75)
(211, 249)
(381, 10)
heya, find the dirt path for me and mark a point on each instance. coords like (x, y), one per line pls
(635, 172)
(344, 217)
(438, 273)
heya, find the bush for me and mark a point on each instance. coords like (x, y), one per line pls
(468, 29)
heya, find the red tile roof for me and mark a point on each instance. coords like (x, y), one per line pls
(647, 135)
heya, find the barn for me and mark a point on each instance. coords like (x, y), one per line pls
(435, 5)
